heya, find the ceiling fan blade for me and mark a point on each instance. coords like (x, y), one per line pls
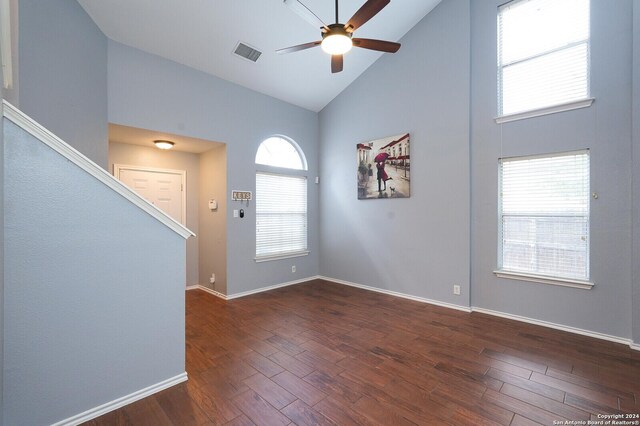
(380, 45)
(336, 63)
(366, 12)
(305, 13)
(298, 47)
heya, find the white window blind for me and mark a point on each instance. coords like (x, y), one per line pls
(543, 54)
(281, 214)
(544, 215)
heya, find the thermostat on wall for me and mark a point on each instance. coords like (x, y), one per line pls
(241, 195)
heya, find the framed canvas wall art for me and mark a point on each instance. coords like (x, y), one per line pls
(383, 168)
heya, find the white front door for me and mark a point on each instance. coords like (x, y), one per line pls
(162, 188)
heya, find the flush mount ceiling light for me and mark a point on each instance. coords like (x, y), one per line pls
(337, 39)
(162, 144)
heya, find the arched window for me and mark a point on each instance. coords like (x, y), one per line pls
(280, 152)
(281, 200)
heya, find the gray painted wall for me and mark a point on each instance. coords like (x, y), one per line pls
(419, 245)
(82, 328)
(149, 92)
(604, 128)
(2, 89)
(63, 74)
(10, 95)
(636, 172)
(135, 155)
(2, 320)
(421, 250)
(213, 224)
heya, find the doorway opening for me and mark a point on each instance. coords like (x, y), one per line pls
(189, 183)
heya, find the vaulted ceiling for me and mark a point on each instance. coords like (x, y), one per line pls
(203, 34)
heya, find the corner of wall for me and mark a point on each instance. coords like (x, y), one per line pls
(409, 246)
(636, 174)
(139, 84)
(2, 322)
(212, 225)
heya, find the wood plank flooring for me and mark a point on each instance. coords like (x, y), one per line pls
(320, 353)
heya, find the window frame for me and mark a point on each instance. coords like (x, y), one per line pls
(287, 172)
(545, 110)
(303, 158)
(529, 276)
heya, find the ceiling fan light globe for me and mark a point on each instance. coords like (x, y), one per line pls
(337, 44)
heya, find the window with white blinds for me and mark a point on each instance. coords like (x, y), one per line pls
(544, 215)
(281, 215)
(543, 54)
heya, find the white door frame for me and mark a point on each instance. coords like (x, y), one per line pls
(117, 168)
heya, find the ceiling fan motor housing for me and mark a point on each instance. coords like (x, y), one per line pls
(337, 29)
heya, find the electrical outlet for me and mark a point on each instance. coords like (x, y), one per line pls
(212, 279)
(456, 290)
(293, 269)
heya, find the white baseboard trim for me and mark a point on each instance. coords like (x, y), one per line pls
(120, 402)
(397, 294)
(208, 290)
(271, 287)
(560, 327)
(519, 318)
(250, 292)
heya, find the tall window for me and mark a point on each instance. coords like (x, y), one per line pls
(281, 200)
(543, 54)
(544, 216)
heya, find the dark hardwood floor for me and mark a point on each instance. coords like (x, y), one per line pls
(321, 353)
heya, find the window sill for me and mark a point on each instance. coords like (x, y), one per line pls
(584, 103)
(281, 256)
(565, 282)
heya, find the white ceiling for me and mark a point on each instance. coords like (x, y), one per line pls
(202, 34)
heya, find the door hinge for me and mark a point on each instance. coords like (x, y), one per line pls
(181, 187)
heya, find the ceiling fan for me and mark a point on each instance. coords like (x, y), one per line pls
(337, 39)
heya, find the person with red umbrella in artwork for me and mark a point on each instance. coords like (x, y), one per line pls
(382, 176)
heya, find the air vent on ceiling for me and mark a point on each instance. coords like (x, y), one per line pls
(247, 52)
